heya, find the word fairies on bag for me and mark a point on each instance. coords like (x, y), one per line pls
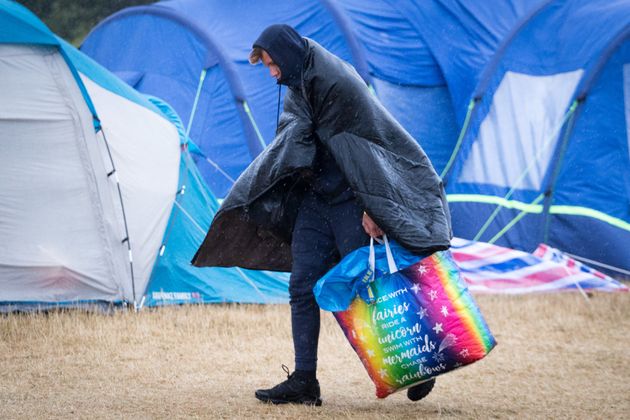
(421, 322)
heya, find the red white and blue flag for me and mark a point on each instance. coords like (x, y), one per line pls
(493, 269)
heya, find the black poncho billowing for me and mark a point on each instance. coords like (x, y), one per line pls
(387, 170)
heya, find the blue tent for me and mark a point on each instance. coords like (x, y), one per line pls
(545, 157)
(434, 64)
(174, 280)
(194, 55)
(425, 58)
(99, 201)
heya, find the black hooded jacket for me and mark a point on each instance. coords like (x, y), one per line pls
(386, 169)
(287, 49)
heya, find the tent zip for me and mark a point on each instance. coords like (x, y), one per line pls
(124, 216)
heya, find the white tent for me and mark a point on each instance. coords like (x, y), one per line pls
(64, 230)
(93, 175)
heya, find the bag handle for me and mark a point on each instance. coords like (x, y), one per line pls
(390, 257)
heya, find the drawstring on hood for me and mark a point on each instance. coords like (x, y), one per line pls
(287, 49)
(278, 110)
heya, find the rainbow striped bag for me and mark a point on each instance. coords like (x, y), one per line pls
(413, 324)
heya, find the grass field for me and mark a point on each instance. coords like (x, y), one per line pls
(558, 357)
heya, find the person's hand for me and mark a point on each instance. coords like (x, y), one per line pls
(370, 227)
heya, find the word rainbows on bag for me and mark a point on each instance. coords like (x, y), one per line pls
(422, 322)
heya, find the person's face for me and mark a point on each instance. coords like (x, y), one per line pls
(274, 70)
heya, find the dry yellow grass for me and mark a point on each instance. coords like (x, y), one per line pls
(558, 357)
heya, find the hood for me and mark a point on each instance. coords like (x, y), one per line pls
(287, 49)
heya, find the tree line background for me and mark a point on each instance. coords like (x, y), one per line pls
(73, 19)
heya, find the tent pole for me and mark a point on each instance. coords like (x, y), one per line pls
(251, 283)
(515, 220)
(192, 220)
(196, 101)
(251, 119)
(584, 295)
(219, 169)
(556, 173)
(460, 138)
(182, 189)
(529, 167)
(189, 163)
(606, 266)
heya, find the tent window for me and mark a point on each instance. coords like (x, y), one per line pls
(520, 130)
(626, 99)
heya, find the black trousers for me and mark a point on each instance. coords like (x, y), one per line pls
(323, 234)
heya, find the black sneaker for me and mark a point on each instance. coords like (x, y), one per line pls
(418, 392)
(293, 390)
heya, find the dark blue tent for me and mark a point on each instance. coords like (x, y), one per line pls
(425, 58)
(194, 54)
(436, 65)
(545, 157)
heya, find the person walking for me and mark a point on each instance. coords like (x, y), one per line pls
(340, 169)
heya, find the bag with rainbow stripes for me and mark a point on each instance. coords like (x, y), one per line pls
(408, 325)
